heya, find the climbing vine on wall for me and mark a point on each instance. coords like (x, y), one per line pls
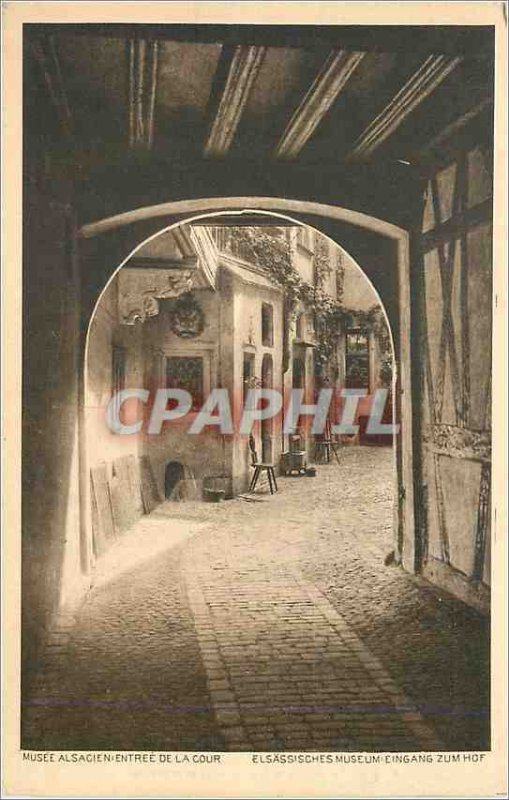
(271, 250)
(340, 276)
(322, 266)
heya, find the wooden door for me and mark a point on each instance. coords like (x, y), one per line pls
(454, 307)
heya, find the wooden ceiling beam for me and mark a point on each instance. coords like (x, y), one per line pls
(143, 67)
(422, 83)
(454, 128)
(45, 53)
(240, 74)
(332, 78)
(468, 41)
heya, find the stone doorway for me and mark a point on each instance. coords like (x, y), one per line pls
(173, 474)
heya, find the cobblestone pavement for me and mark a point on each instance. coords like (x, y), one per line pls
(276, 626)
(129, 674)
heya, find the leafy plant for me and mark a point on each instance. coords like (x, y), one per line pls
(271, 250)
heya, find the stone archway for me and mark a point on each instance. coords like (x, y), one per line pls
(405, 544)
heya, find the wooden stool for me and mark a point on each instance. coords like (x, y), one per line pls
(326, 447)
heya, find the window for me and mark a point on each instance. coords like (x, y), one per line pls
(298, 373)
(186, 372)
(267, 325)
(248, 376)
(357, 360)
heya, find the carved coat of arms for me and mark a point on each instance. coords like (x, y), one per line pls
(187, 319)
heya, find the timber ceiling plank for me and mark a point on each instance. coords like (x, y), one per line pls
(456, 105)
(377, 78)
(185, 76)
(421, 84)
(44, 50)
(375, 93)
(437, 148)
(332, 78)
(95, 77)
(282, 82)
(466, 41)
(143, 65)
(243, 65)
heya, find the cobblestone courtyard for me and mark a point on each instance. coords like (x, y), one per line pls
(273, 624)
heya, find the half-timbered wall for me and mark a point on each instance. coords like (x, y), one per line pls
(453, 292)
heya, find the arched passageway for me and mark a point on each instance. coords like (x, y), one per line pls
(392, 263)
(167, 341)
(272, 554)
(416, 216)
(183, 329)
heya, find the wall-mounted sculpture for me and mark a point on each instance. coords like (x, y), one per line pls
(140, 290)
(187, 318)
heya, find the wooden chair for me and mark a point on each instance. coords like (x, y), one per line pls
(259, 467)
